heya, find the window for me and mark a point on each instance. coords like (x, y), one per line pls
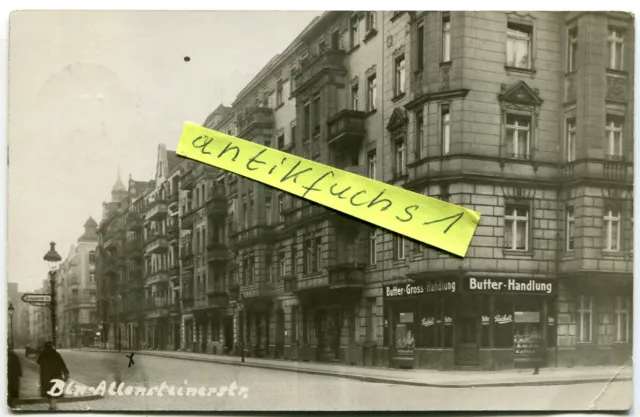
(353, 31)
(293, 258)
(335, 40)
(92, 257)
(250, 271)
(612, 229)
(317, 265)
(399, 245)
(371, 93)
(268, 266)
(267, 209)
(92, 296)
(371, 166)
(446, 130)
(281, 263)
(316, 113)
(518, 134)
(322, 46)
(585, 308)
(400, 158)
(308, 256)
(281, 208)
(621, 318)
(92, 277)
(571, 139)
(307, 120)
(355, 97)
(420, 49)
(371, 21)
(516, 228)
(572, 49)
(615, 43)
(280, 141)
(373, 250)
(519, 45)
(245, 215)
(446, 38)
(571, 220)
(614, 135)
(419, 131)
(279, 91)
(399, 75)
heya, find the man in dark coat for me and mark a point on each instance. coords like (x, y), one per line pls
(14, 372)
(52, 366)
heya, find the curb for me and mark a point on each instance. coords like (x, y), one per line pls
(42, 400)
(383, 380)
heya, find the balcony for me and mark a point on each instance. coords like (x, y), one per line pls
(290, 283)
(216, 205)
(253, 118)
(331, 60)
(201, 302)
(357, 169)
(172, 230)
(157, 210)
(134, 248)
(234, 291)
(173, 198)
(156, 308)
(260, 233)
(157, 277)
(187, 259)
(188, 302)
(347, 129)
(258, 289)
(217, 299)
(187, 220)
(73, 281)
(216, 252)
(134, 222)
(187, 180)
(346, 275)
(174, 273)
(158, 244)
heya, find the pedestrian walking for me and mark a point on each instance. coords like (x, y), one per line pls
(52, 367)
(14, 373)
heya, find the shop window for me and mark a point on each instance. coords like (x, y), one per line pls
(294, 325)
(503, 322)
(405, 333)
(622, 319)
(448, 322)
(552, 328)
(585, 318)
(431, 323)
(527, 331)
(486, 322)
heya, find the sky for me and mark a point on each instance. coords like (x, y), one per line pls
(94, 93)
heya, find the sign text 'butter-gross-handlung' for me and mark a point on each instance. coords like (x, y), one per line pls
(437, 223)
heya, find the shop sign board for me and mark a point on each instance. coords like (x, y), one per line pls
(509, 285)
(412, 290)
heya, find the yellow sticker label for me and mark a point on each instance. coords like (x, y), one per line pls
(437, 223)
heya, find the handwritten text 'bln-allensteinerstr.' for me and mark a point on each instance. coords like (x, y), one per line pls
(438, 223)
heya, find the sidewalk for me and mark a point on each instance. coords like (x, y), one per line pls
(30, 385)
(418, 377)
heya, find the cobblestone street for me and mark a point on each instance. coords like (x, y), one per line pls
(280, 390)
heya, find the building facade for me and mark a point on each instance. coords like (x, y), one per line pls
(524, 117)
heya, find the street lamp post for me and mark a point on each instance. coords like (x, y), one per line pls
(53, 258)
(11, 311)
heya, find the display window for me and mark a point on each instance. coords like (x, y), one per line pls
(503, 322)
(405, 332)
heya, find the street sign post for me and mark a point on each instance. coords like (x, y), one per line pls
(39, 300)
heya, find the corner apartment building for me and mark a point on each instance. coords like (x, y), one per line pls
(120, 266)
(76, 293)
(523, 117)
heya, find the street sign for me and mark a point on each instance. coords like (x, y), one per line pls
(39, 300)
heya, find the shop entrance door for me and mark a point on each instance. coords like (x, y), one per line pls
(328, 325)
(467, 351)
(228, 333)
(279, 334)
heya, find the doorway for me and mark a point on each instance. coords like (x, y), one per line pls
(228, 333)
(467, 325)
(279, 353)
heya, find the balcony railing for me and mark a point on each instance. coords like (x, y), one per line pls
(346, 275)
(258, 289)
(216, 252)
(253, 234)
(218, 298)
(216, 205)
(157, 211)
(347, 129)
(187, 180)
(187, 302)
(187, 259)
(310, 69)
(134, 222)
(157, 277)
(187, 220)
(357, 169)
(253, 117)
(157, 244)
(134, 248)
